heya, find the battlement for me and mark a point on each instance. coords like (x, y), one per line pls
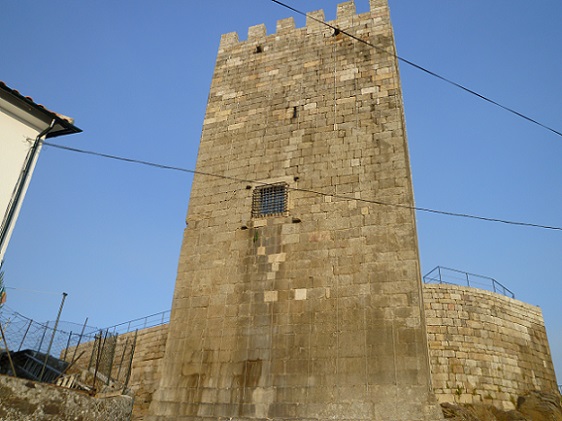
(346, 15)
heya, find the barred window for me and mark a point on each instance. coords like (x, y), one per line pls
(269, 200)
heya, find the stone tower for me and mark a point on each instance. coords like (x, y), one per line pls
(298, 293)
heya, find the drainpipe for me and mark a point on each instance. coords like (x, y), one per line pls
(20, 187)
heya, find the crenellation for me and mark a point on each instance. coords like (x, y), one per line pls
(285, 26)
(345, 10)
(378, 5)
(314, 21)
(227, 40)
(257, 33)
(347, 18)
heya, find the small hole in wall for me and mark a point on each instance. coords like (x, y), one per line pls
(248, 187)
(295, 178)
(336, 32)
(259, 49)
(295, 112)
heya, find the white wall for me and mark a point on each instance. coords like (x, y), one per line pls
(16, 138)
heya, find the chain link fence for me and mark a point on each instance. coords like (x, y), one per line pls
(73, 355)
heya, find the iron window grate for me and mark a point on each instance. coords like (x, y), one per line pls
(269, 200)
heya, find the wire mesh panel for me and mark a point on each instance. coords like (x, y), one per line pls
(111, 357)
(23, 333)
(103, 358)
(269, 200)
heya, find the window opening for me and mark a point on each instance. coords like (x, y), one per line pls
(269, 200)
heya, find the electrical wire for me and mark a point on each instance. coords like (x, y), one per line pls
(318, 193)
(423, 69)
(33, 290)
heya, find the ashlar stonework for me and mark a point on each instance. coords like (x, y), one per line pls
(486, 351)
(485, 348)
(308, 307)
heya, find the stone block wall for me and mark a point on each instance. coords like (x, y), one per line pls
(485, 347)
(146, 365)
(316, 311)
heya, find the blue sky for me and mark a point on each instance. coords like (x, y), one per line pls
(135, 76)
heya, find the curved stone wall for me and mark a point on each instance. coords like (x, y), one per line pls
(485, 347)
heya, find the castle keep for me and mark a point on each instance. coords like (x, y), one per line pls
(298, 293)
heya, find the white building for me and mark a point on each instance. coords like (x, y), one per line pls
(23, 125)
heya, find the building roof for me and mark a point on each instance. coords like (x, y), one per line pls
(63, 125)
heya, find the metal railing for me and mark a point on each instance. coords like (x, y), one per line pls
(443, 275)
(152, 320)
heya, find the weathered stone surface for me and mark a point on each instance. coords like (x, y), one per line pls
(485, 347)
(540, 406)
(524, 365)
(145, 374)
(458, 413)
(316, 312)
(24, 400)
(533, 406)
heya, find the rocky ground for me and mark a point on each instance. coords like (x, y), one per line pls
(534, 406)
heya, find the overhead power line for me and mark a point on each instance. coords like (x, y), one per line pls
(34, 290)
(423, 69)
(335, 196)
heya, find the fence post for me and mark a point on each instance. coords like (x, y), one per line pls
(67, 345)
(80, 340)
(98, 358)
(114, 340)
(8, 351)
(130, 362)
(122, 359)
(43, 337)
(97, 341)
(25, 335)
(64, 294)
